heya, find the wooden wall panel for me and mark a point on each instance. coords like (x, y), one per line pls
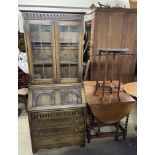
(115, 31)
(130, 42)
(102, 26)
(130, 32)
(114, 28)
(99, 38)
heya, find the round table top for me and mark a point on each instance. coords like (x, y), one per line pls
(131, 88)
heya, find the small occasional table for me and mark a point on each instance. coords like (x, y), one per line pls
(131, 89)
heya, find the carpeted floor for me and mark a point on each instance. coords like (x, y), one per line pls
(101, 146)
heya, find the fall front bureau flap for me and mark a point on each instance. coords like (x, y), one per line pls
(53, 96)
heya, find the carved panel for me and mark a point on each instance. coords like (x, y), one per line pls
(71, 96)
(43, 98)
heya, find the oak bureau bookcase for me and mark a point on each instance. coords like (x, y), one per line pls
(56, 101)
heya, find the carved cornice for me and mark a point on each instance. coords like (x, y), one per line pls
(52, 16)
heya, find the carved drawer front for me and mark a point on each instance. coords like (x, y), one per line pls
(57, 114)
(46, 123)
(76, 128)
(47, 119)
(58, 140)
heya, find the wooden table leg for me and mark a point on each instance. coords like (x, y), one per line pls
(126, 126)
(117, 130)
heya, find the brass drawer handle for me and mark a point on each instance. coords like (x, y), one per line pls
(76, 121)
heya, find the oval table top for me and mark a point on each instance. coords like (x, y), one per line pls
(113, 108)
(131, 88)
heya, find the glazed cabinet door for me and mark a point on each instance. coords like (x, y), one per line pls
(41, 51)
(69, 37)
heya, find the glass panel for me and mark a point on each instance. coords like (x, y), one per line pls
(69, 70)
(69, 34)
(68, 48)
(39, 58)
(42, 72)
(40, 36)
(40, 33)
(68, 53)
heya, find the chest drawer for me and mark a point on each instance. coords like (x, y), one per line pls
(59, 140)
(58, 130)
(52, 122)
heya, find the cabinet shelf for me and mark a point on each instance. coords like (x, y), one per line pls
(42, 48)
(41, 44)
(42, 63)
(68, 44)
(72, 48)
(68, 62)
